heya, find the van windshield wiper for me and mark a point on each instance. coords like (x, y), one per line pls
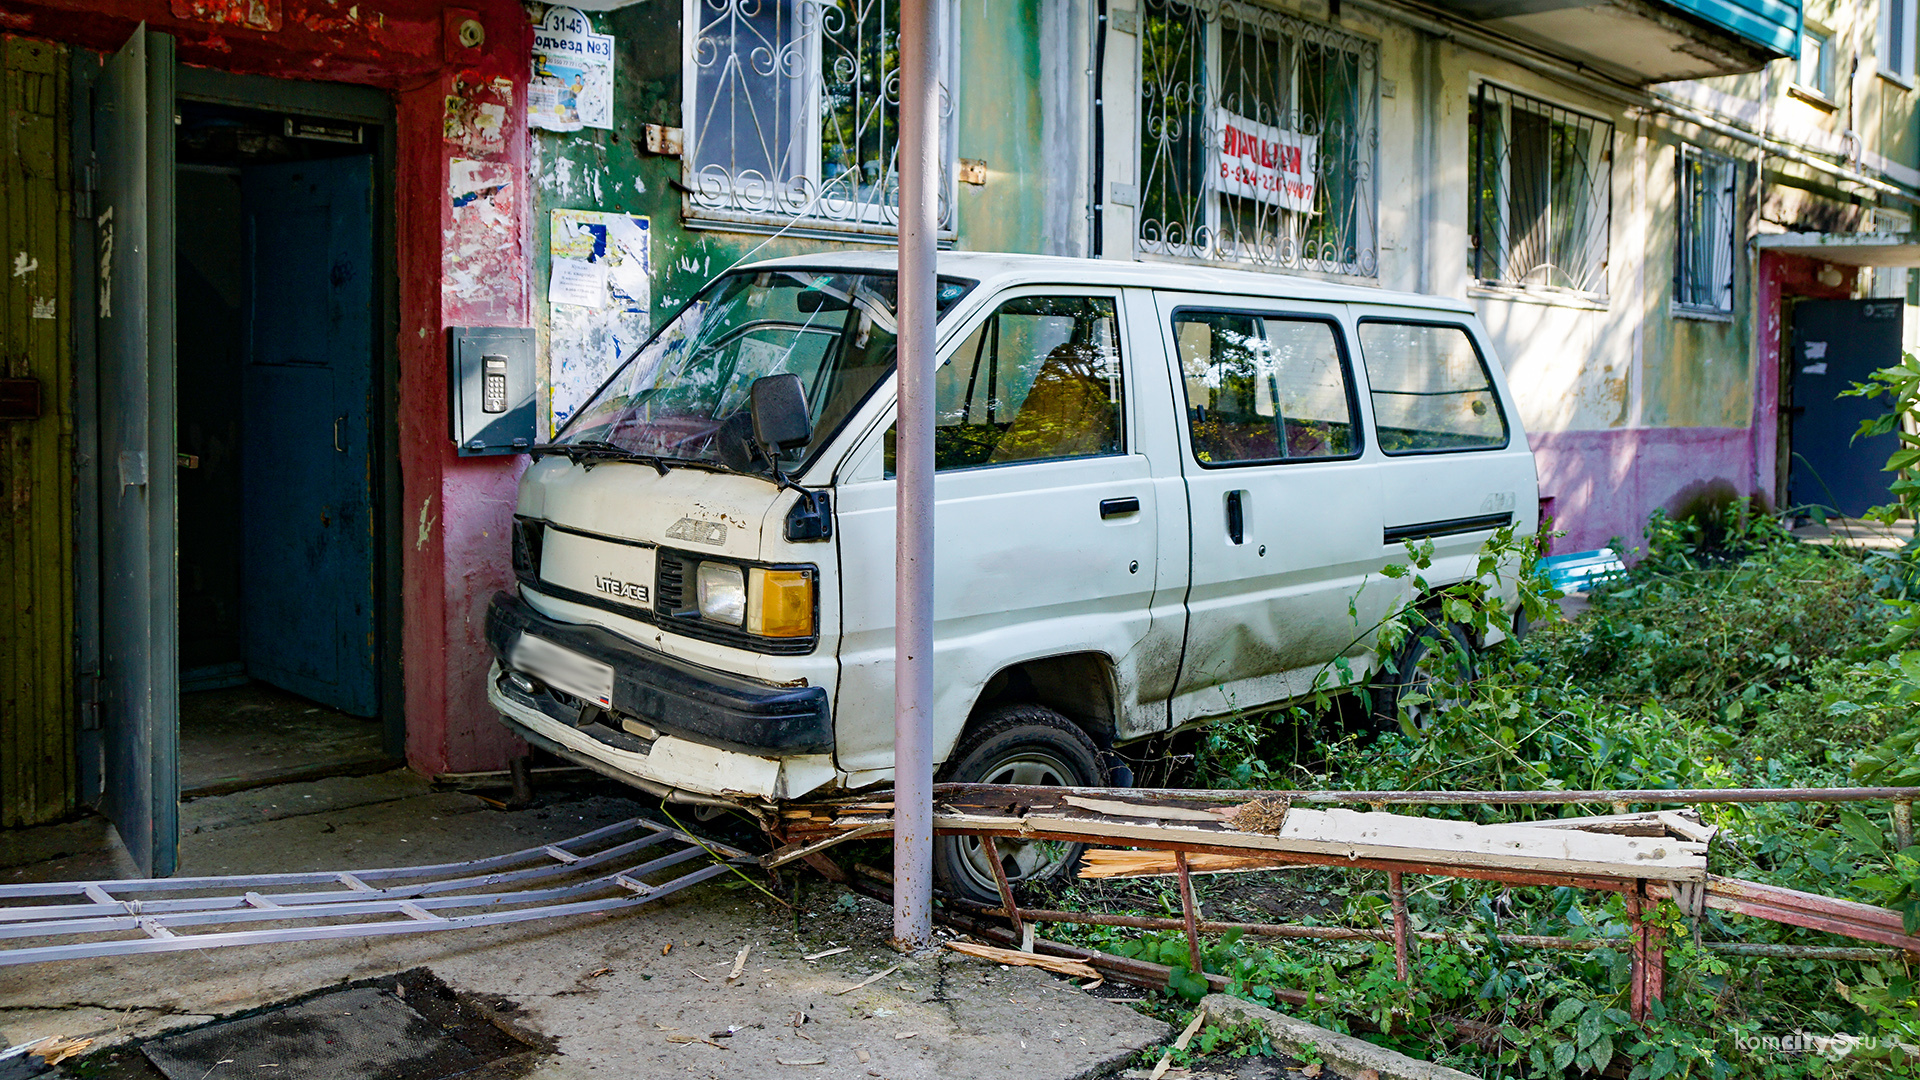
(587, 450)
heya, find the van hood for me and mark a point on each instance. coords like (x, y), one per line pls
(692, 509)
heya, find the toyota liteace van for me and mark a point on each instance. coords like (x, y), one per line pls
(1164, 493)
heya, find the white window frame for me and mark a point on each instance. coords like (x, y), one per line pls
(807, 201)
(1725, 247)
(1813, 31)
(1896, 35)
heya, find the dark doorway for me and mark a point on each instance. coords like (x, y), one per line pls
(278, 317)
(1835, 344)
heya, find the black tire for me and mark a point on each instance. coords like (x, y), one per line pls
(1432, 656)
(1014, 744)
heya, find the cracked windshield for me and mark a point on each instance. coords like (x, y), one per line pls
(684, 395)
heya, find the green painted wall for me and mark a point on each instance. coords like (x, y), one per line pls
(37, 723)
(997, 112)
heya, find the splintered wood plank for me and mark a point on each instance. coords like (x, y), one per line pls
(1118, 863)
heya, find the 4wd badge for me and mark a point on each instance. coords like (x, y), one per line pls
(700, 532)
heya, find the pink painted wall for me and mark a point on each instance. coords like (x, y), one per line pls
(1605, 483)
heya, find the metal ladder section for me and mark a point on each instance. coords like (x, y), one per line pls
(121, 918)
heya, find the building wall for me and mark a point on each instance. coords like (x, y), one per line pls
(38, 712)
(1000, 111)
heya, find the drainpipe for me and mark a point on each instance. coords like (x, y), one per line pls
(913, 565)
(1652, 102)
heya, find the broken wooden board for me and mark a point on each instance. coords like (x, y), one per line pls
(1121, 863)
(1122, 818)
(1059, 965)
(1679, 824)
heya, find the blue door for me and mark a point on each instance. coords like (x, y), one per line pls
(1837, 343)
(307, 577)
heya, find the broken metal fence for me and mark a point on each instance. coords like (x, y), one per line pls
(971, 809)
(601, 871)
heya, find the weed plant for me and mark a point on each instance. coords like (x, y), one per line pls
(1731, 655)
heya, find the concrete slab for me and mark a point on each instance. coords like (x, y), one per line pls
(619, 995)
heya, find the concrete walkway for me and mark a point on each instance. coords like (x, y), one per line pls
(618, 994)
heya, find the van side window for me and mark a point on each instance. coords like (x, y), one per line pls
(1264, 389)
(1039, 380)
(1431, 389)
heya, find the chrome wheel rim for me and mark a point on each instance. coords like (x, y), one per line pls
(1022, 860)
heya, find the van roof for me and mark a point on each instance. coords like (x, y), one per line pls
(996, 270)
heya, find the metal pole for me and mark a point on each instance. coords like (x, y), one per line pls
(913, 573)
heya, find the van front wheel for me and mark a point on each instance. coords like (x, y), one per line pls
(1014, 744)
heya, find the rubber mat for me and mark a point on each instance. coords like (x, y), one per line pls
(359, 1034)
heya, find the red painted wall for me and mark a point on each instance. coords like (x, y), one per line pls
(463, 250)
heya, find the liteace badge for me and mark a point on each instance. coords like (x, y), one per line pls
(623, 590)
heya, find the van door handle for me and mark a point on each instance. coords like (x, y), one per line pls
(1116, 507)
(337, 425)
(1236, 518)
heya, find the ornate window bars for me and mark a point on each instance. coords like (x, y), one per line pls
(1542, 198)
(1259, 133)
(792, 114)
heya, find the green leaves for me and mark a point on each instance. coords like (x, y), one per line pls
(1185, 983)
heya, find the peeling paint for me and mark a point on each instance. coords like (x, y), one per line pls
(43, 307)
(23, 265)
(426, 524)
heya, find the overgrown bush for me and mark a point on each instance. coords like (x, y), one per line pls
(1731, 655)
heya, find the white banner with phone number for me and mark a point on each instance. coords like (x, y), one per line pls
(1259, 161)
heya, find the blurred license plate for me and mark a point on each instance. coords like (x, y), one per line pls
(564, 669)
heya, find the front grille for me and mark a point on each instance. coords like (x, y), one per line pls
(527, 534)
(670, 584)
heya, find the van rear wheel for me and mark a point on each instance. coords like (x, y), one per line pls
(1436, 663)
(1014, 744)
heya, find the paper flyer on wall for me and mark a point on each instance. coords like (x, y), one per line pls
(599, 297)
(572, 83)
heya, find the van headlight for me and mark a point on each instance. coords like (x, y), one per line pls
(765, 601)
(722, 592)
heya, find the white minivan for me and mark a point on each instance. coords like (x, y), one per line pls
(1160, 491)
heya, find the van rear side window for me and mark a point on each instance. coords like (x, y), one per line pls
(1431, 389)
(1263, 389)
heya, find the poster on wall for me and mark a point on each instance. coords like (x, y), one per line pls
(1260, 161)
(599, 301)
(572, 83)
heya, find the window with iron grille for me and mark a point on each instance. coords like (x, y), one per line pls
(1541, 202)
(1703, 257)
(1258, 136)
(792, 112)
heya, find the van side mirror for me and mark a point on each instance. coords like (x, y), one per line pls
(779, 408)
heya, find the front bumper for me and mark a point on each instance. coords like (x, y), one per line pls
(674, 697)
(716, 737)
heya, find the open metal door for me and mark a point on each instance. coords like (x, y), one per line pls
(133, 215)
